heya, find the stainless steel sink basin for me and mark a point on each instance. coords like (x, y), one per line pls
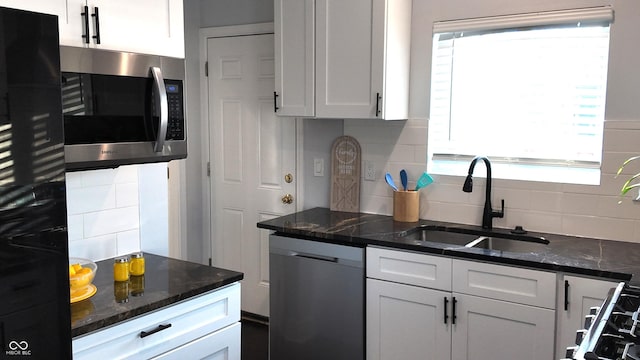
(473, 238)
(511, 245)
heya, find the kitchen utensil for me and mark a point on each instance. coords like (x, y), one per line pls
(403, 179)
(389, 180)
(424, 180)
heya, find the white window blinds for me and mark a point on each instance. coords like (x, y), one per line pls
(525, 89)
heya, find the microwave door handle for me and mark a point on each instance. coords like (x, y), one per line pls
(158, 82)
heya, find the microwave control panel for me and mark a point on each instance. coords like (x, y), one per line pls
(175, 131)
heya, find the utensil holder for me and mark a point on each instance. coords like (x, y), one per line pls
(406, 206)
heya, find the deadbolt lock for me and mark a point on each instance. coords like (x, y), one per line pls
(287, 199)
(288, 178)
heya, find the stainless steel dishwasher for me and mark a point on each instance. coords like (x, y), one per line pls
(316, 300)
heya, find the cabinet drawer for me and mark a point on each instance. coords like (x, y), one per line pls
(188, 321)
(409, 268)
(222, 344)
(523, 286)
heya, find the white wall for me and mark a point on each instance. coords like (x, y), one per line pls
(115, 212)
(591, 211)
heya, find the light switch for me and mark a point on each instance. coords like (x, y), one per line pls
(318, 167)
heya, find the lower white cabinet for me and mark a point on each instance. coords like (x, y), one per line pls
(486, 311)
(222, 344)
(206, 324)
(576, 295)
(493, 329)
(406, 322)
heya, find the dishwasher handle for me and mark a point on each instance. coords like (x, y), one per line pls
(314, 256)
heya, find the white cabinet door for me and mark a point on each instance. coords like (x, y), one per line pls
(294, 57)
(70, 19)
(487, 329)
(53, 7)
(574, 302)
(344, 46)
(406, 322)
(142, 26)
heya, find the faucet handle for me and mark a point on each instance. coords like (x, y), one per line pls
(498, 214)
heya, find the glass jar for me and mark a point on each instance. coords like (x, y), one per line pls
(136, 267)
(121, 269)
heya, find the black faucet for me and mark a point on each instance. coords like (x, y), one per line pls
(487, 214)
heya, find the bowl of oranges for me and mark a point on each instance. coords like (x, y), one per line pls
(81, 274)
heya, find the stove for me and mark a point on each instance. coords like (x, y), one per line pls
(612, 331)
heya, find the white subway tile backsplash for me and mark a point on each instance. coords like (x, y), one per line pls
(126, 194)
(111, 221)
(128, 242)
(96, 248)
(74, 227)
(89, 199)
(581, 210)
(104, 210)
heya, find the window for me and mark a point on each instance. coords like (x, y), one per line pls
(528, 91)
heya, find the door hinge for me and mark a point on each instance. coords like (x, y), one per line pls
(206, 68)
(168, 173)
(208, 169)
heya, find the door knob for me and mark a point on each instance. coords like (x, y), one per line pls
(287, 199)
(288, 178)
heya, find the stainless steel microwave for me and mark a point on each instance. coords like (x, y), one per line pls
(121, 108)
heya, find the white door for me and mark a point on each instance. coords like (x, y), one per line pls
(407, 322)
(488, 329)
(252, 155)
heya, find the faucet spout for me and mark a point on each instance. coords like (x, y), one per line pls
(487, 214)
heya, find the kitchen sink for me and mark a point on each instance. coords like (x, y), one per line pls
(502, 244)
(474, 238)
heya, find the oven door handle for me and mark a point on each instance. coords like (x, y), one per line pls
(161, 91)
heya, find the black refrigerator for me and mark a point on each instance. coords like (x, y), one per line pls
(34, 282)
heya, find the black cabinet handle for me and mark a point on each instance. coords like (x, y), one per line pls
(453, 313)
(566, 295)
(378, 98)
(160, 327)
(85, 36)
(275, 102)
(96, 15)
(446, 316)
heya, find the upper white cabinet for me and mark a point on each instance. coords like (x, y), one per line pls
(143, 26)
(294, 24)
(357, 52)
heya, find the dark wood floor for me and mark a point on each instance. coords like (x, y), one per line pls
(255, 340)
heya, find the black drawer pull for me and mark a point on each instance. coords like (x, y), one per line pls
(160, 327)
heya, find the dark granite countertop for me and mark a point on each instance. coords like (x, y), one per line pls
(166, 281)
(614, 260)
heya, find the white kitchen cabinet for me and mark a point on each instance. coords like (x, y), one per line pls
(195, 323)
(406, 322)
(222, 344)
(493, 329)
(357, 53)
(143, 26)
(492, 311)
(576, 295)
(294, 24)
